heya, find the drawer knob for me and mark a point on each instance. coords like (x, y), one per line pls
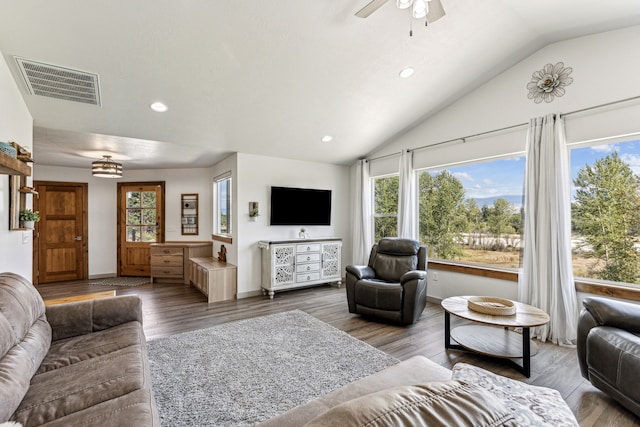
(308, 277)
(308, 248)
(308, 268)
(308, 258)
(166, 261)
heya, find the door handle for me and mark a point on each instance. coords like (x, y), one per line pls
(77, 238)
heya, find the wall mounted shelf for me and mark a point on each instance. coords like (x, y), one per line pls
(11, 166)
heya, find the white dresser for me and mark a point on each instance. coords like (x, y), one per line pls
(291, 264)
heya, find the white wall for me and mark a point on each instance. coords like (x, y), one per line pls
(255, 176)
(102, 215)
(605, 68)
(16, 125)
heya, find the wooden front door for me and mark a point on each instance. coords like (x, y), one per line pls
(60, 244)
(140, 223)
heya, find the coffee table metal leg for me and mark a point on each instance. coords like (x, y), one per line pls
(447, 329)
(526, 352)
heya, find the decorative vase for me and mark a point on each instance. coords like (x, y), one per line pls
(28, 224)
(302, 234)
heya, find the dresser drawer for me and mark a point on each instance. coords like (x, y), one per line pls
(311, 257)
(303, 268)
(309, 247)
(166, 261)
(307, 277)
(160, 271)
(155, 251)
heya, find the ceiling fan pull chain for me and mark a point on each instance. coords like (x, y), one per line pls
(410, 26)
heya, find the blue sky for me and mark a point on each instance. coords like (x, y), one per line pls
(505, 177)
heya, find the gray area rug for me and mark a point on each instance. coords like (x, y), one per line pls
(241, 373)
(121, 281)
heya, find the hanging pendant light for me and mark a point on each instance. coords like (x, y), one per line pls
(106, 168)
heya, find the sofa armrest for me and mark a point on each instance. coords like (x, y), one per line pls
(412, 275)
(618, 314)
(83, 317)
(361, 271)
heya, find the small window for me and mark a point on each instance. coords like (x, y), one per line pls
(222, 206)
(385, 205)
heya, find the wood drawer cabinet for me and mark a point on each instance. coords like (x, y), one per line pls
(170, 260)
(217, 280)
(291, 264)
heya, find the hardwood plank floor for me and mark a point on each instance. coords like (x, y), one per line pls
(174, 308)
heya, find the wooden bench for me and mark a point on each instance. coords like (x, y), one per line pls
(216, 279)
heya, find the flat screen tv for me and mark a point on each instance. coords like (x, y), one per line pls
(300, 206)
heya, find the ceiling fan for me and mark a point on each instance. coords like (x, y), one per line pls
(432, 10)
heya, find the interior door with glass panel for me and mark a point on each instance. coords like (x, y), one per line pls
(140, 223)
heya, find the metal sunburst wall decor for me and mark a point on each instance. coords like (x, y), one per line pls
(549, 82)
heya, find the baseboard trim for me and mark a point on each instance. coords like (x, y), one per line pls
(248, 294)
(102, 276)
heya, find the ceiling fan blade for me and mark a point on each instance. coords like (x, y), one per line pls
(370, 8)
(436, 11)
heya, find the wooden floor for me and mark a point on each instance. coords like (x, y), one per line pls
(173, 308)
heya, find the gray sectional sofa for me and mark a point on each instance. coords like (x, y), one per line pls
(81, 363)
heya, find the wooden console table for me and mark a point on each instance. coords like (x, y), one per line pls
(217, 280)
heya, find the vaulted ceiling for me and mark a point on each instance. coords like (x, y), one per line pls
(268, 77)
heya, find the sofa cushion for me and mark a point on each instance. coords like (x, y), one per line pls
(80, 382)
(449, 403)
(25, 338)
(380, 295)
(530, 405)
(390, 268)
(83, 347)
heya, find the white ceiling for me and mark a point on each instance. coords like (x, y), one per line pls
(268, 77)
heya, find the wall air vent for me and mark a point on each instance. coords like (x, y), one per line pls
(59, 82)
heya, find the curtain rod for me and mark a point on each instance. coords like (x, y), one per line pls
(464, 138)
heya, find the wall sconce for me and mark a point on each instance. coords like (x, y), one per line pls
(254, 212)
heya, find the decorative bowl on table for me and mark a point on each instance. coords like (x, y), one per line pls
(492, 305)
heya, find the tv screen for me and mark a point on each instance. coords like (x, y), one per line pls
(300, 206)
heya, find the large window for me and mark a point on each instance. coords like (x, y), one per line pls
(222, 206)
(605, 212)
(385, 206)
(473, 212)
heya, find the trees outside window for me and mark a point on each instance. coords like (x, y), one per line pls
(605, 212)
(385, 206)
(473, 213)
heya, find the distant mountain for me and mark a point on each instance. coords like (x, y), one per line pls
(514, 199)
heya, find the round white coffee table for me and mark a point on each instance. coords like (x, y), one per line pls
(491, 335)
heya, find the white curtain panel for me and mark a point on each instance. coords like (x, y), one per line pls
(407, 198)
(546, 279)
(362, 215)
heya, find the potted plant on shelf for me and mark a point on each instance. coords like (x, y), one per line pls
(29, 217)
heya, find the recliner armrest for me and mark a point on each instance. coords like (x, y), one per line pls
(83, 317)
(413, 275)
(361, 271)
(617, 314)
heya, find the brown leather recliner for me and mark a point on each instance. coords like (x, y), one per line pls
(609, 348)
(393, 286)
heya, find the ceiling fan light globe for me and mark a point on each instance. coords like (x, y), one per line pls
(420, 9)
(403, 4)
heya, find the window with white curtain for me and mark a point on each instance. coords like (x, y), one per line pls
(222, 208)
(605, 211)
(473, 212)
(385, 206)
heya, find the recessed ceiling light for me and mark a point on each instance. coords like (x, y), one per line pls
(327, 138)
(158, 107)
(406, 72)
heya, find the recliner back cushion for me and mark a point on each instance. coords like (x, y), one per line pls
(391, 267)
(25, 339)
